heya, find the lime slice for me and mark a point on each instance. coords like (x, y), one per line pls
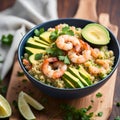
(24, 100)
(5, 109)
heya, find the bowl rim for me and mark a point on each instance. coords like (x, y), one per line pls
(65, 89)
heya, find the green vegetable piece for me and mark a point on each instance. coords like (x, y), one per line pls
(96, 34)
(98, 95)
(38, 56)
(7, 40)
(38, 32)
(100, 114)
(54, 35)
(65, 59)
(118, 104)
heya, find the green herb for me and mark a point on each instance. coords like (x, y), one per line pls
(38, 32)
(15, 104)
(98, 95)
(71, 113)
(38, 56)
(20, 73)
(54, 35)
(24, 80)
(118, 104)
(100, 114)
(55, 51)
(7, 39)
(117, 118)
(3, 89)
(66, 30)
(92, 101)
(65, 59)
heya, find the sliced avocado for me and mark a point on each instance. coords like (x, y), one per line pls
(32, 59)
(45, 36)
(74, 80)
(75, 72)
(96, 34)
(68, 83)
(37, 39)
(31, 50)
(85, 74)
(32, 43)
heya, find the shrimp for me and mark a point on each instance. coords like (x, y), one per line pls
(67, 42)
(27, 64)
(54, 71)
(82, 56)
(104, 63)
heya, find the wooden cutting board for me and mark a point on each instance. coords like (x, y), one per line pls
(102, 104)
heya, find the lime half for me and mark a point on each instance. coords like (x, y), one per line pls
(24, 100)
(5, 109)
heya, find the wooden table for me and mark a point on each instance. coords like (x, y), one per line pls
(68, 8)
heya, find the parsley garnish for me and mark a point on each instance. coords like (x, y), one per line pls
(117, 118)
(7, 39)
(65, 59)
(98, 95)
(71, 113)
(38, 32)
(118, 104)
(100, 114)
(38, 56)
(65, 31)
(55, 51)
(20, 73)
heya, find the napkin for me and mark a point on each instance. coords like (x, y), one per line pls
(18, 20)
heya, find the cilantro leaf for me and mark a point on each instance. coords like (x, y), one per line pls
(38, 56)
(38, 32)
(54, 35)
(100, 114)
(7, 39)
(54, 51)
(98, 95)
(65, 59)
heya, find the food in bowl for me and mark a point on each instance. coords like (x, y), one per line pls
(66, 56)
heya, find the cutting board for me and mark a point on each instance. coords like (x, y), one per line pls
(52, 111)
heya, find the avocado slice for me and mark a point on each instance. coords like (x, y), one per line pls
(85, 74)
(68, 83)
(31, 50)
(32, 43)
(37, 39)
(96, 34)
(75, 72)
(74, 80)
(45, 36)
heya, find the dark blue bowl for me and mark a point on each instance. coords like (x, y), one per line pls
(67, 93)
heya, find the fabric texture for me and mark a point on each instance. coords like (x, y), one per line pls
(19, 19)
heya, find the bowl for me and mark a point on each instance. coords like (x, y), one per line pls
(63, 92)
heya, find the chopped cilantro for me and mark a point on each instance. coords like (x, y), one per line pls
(98, 95)
(38, 56)
(20, 73)
(100, 114)
(117, 118)
(15, 103)
(24, 80)
(38, 32)
(71, 113)
(7, 39)
(118, 104)
(54, 35)
(3, 89)
(65, 59)
(55, 51)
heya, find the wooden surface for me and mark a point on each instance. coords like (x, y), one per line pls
(109, 6)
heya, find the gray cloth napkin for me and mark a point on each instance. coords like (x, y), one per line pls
(23, 16)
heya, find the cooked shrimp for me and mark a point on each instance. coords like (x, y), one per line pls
(95, 52)
(54, 71)
(79, 58)
(27, 64)
(67, 42)
(104, 63)
(82, 56)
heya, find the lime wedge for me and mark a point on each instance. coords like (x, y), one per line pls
(24, 100)
(5, 109)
